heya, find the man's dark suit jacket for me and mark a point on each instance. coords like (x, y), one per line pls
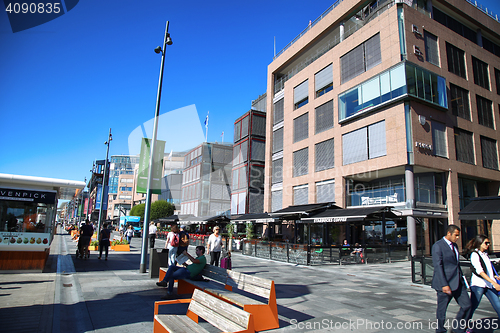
(447, 270)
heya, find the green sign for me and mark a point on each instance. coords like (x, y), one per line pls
(142, 177)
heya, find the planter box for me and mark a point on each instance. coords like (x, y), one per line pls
(121, 247)
(93, 248)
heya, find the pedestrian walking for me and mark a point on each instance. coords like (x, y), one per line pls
(448, 281)
(183, 240)
(152, 235)
(172, 243)
(104, 238)
(214, 246)
(86, 232)
(129, 234)
(483, 280)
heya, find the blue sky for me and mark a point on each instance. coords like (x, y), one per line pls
(63, 84)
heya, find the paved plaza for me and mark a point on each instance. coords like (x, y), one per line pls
(75, 295)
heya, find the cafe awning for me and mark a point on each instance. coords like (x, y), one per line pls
(483, 208)
(204, 219)
(297, 211)
(257, 218)
(350, 215)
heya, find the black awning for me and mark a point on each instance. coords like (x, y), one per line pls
(351, 215)
(297, 211)
(483, 208)
(258, 218)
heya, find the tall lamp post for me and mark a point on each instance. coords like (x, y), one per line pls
(104, 181)
(147, 213)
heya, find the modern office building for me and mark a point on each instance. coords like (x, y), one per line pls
(171, 186)
(206, 183)
(388, 103)
(247, 190)
(121, 184)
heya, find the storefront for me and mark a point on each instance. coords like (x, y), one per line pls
(28, 208)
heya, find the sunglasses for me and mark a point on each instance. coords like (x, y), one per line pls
(487, 243)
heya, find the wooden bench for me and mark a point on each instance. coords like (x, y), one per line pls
(225, 283)
(217, 276)
(220, 314)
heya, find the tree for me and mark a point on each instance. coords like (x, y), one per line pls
(161, 208)
(138, 210)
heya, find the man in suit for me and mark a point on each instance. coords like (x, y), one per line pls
(448, 281)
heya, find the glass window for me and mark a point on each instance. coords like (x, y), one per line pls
(439, 139)
(400, 80)
(360, 59)
(325, 191)
(300, 94)
(277, 171)
(480, 69)
(300, 195)
(376, 140)
(324, 155)
(323, 80)
(324, 117)
(497, 80)
(301, 127)
(276, 200)
(459, 102)
(431, 48)
(456, 60)
(301, 162)
(355, 146)
(278, 111)
(464, 146)
(484, 112)
(489, 153)
(278, 140)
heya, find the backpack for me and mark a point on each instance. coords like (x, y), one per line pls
(175, 240)
(184, 239)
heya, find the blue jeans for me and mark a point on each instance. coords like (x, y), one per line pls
(129, 239)
(175, 273)
(476, 295)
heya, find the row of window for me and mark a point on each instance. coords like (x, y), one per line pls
(460, 106)
(325, 192)
(465, 31)
(357, 61)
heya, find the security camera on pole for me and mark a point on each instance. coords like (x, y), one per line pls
(147, 213)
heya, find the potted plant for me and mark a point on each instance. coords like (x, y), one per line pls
(120, 245)
(94, 246)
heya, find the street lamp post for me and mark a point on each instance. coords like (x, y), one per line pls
(147, 213)
(99, 221)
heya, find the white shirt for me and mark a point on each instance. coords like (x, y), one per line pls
(476, 280)
(215, 243)
(452, 247)
(170, 236)
(152, 229)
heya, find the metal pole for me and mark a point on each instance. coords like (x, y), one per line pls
(147, 212)
(104, 181)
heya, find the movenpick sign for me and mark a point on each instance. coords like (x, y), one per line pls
(142, 177)
(27, 195)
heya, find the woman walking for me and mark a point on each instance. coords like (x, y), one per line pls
(214, 246)
(129, 234)
(172, 244)
(483, 279)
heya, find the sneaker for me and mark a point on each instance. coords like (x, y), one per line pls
(161, 284)
(99, 258)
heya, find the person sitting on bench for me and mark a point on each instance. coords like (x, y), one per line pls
(189, 271)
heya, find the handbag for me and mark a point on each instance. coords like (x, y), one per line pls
(498, 281)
